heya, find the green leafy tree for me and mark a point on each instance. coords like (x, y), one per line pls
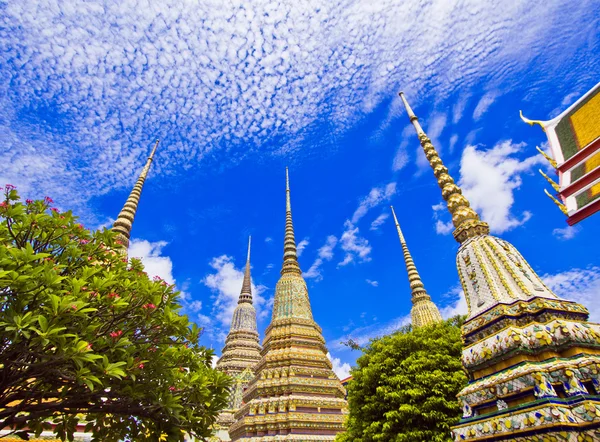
(405, 385)
(86, 335)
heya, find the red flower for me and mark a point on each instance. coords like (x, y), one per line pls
(149, 306)
(3, 204)
(9, 187)
(28, 201)
(89, 346)
(113, 295)
(171, 388)
(48, 200)
(141, 366)
(74, 307)
(93, 294)
(157, 278)
(116, 334)
(54, 209)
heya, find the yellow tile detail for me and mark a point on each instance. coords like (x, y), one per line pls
(586, 121)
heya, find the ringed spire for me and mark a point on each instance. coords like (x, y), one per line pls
(246, 293)
(466, 221)
(424, 311)
(290, 254)
(124, 222)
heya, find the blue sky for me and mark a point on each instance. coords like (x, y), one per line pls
(237, 90)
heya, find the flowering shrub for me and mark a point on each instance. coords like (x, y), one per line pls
(86, 335)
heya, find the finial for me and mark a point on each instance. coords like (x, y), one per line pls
(124, 221)
(400, 235)
(246, 293)
(411, 115)
(249, 243)
(290, 255)
(560, 205)
(154, 149)
(551, 160)
(466, 221)
(532, 122)
(554, 185)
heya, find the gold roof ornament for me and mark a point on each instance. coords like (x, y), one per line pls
(290, 254)
(519, 338)
(424, 311)
(560, 205)
(553, 183)
(124, 221)
(532, 122)
(548, 157)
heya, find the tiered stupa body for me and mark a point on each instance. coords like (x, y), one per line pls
(532, 358)
(424, 311)
(124, 221)
(241, 352)
(295, 395)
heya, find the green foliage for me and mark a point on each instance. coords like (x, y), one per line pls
(86, 335)
(405, 385)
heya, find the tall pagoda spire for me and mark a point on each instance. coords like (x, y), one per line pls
(424, 311)
(124, 221)
(290, 254)
(295, 396)
(531, 357)
(241, 352)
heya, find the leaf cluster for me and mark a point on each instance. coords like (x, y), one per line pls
(405, 385)
(86, 335)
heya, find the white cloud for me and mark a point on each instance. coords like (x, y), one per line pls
(373, 283)
(452, 142)
(342, 370)
(459, 108)
(376, 196)
(441, 227)
(484, 104)
(377, 222)
(566, 233)
(155, 264)
(325, 254)
(84, 87)
(226, 283)
(580, 285)
(458, 305)
(401, 157)
(268, 239)
(489, 179)
(434, 128)
(354, 245)
(301, 246)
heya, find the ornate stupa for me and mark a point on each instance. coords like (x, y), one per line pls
(295, 396)
(241, 352)
(124, 221)
(532, 359)
(424, 311)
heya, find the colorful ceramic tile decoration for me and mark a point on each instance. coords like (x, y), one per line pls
(574, 139)
(532, 358)
(295, 395)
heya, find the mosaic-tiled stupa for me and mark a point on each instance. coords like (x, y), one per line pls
(424, 311)
(241, 352)
(295, 395)
(532, 358)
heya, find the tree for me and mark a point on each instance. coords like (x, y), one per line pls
(85, 334)
(405, 385)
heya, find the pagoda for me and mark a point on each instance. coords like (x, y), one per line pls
(241, 352)
(124, 222)
(295, 395)
(532, 359)
(424, 311)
